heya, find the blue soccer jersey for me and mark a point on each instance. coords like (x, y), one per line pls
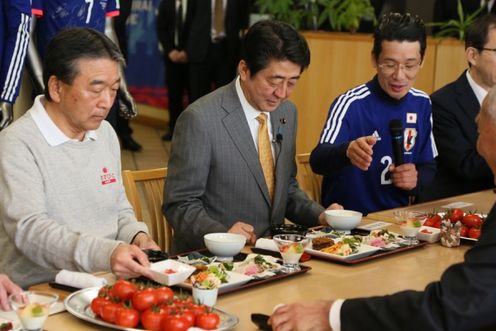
(15, 21)
(363, 111)
(54, 15)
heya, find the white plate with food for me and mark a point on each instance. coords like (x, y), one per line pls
(338, 254)
(78, 304)
(235, 280)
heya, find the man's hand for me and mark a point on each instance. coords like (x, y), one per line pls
(309, 316)
(322, 219)
(144, 241)
(404, 176)
(360, 152)
(129, 261)
(7, 287)
(246, 230)
(125, 101)
(6, 114)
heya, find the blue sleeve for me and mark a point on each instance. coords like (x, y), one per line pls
(17, 15)
(330, 153)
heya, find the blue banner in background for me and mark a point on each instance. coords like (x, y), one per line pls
(145, 70)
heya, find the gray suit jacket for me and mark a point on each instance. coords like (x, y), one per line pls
(215, 178)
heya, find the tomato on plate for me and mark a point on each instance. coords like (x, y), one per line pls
(144, 299)
(175, 323)
(152, 318)
(464, 231)
(208, 321)
(472, 220)
(123, 289)
(126, 317)
(455, 215)
(109, 311)
(474, 233)
(97, 304)
(432, 220)
(163, 295)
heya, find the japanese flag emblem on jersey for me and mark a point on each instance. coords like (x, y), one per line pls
(410, 136)
(411, 118)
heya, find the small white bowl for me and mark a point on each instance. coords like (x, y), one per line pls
(429, 234)
(343, 220)
(224, 245)
(161, 273)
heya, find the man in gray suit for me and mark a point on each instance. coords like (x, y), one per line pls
(216, 182)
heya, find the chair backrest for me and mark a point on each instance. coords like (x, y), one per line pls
(309, 181)
(147, 187)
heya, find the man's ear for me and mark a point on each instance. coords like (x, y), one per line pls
(472, 54)
(54, 87)
(244, 72)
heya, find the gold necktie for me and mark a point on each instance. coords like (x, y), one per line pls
(265, 153)
(219, 16)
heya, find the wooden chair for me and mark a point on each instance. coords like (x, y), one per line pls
(147, 187)
(309, 181)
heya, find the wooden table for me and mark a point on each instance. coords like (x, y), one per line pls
(407, 270)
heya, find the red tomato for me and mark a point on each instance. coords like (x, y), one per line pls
(198, 309)
(208, 321)
(152, 318)
(104, 291)
(474, 233)
(97, 304)
(455, 215)
(432, 220)
(142, 300)
(126, 317)
(174, 323)
(189, 317)
(464, 231)
(109, 311)
(123, 289)
(163, 295)
(438, 224)
(471, 220)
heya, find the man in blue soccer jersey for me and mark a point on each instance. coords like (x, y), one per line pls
(53, 16)
(355, 151)
(15, 21)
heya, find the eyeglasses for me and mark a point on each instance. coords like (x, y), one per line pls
(486, 49)
(389, 68)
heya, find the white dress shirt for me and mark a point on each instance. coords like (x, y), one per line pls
(479, 91)
(251, 117)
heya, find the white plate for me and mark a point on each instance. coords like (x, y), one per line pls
(78, 304)
(235, 280)
(363, 251)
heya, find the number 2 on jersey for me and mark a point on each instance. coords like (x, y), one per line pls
(387, 160)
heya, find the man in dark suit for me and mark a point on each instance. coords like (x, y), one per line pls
(463, 299)
(232, 165)
(172, 31)
(454, 107)
(214, 42)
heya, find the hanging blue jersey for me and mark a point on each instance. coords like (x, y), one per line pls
(15, 22)
(367, 110)
(54, 15)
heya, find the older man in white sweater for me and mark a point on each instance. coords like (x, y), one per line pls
(62, 202)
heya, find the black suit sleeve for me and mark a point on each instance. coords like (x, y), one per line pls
(464, 298)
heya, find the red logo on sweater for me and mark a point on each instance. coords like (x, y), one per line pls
(106, 177)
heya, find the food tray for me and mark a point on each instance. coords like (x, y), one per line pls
(253, 282)
(374, 255)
